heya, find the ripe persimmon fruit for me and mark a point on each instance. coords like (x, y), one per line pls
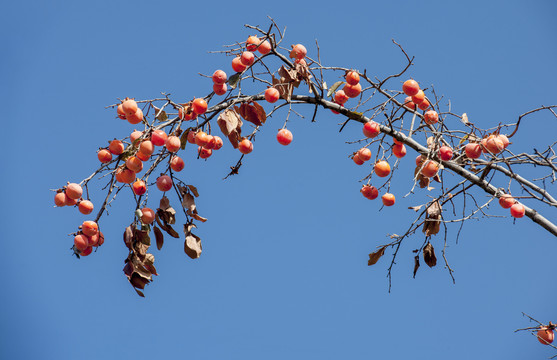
(382, 168)
(245, 146)
(284, 136)
(164, 183)
(85, 207)
(410, 87)
(272, 95)
(74, 191)
(388, 199)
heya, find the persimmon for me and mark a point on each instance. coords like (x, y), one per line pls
(210, 142)
(85, 207)
(382, 168)
(129, 107)
(371, 129)
(104, 156)
(264, 47)
(341, 97)
(164, 183)
(68, 201)
(419, 97)
(177, 163)
(81, 242)
(125, 175)
(237, 65)
(284, 136)
(60, 199)
(298, 51)
(89, 227)
(172, 143)
(191, 137)
(247, 58)
(445, 153)
(101, 239)
(201, 138)
(431, 117)
(116, 147)
(409, 103)
(204, 153)
(218, 142)
(74, 191)
(219, 77)
(410, 87)
(136, 117)
(352, 77)
(494, 144)
(545, 335)
(141, 156)
(245, 146)
(506, 201)
(147, 215)
(120, 112)
(199, 106)
(364, 154)
(517, 210)
(420, 159)
(504, 139)
(139, 187)
(473, 150)
(134, 164)
(430, 168)
(301, 62)
(388, 199)
(147, 147)
(220, 89)
(158, 137)
(369, 192)
(190, 115)
(424, 105)
(352, 90)
(93, 240)
(399, 150)
(252, 43)
(357, 159)
(136, 134)
(87, 251)
(272, 95)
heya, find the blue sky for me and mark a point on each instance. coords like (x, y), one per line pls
(284, 271)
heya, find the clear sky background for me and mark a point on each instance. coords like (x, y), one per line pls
(283, 274)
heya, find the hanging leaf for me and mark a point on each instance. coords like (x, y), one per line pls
(160, 115)
(433, 219)
(429, 255)
(192, 245)
(375, 256)
(334, 88)
(193, 190)
(416, 265)
(465, 119)
(230, 124)
(128, 236)
(233, 80)
(159, 237)
(252, 114)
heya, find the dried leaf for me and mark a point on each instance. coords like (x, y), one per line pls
(464, 119)
(159, 237)
(196, 216)
(433, 219)
(230, 124)
(250, 113)
(142, 236)
(170, 231)
(233, 80)
(188, 202)
(429, 255)
(128, 236)
(184, 140)
(375, 256)
(416, 208)
(192, 245)
(416, 265)
(140, 293)
(138, 281)
(193, 189)
(160, 115)
(149, 263)
(261, 114)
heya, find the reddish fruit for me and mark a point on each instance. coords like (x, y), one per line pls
(125, 175)
(134, 164)
(409, 103)
(252, 42)
(341, 97)
(494, 144)
(89, 228)
(146, 147)
(364, 154)
(301, 62)
(158, 137)
(199, 106)
(245, 146)
(201, 138)
(68, 201)
(88, 250)
(298, 51)
(74, 191)
(60, 199)
(219, 77)
(420, 159)
(134, 136)
(445, 153)
(504, 139)
(371, 129)
(431, 117)
(430, 169)
(352, 90)
(210, 142)
(191, 137)
(101, 239)
(399, 150)
(148, 215)
(237, 65)
(204, 153)
(104, 156)
(284, 136)
(220, 89)
(129, 107)
(173, 143)
(506, 201)
(517, 210)
(357, 159)
(164, 183)
(141, 156)
(139, 187)
(116, 147)
(94, 240)
(264, 47)
(352, 78)
(120, 112)
(370, 192)
(410, 87)
(473, 150)
(382, 168)
(545, 335)
(272, 95)
(424, 105)
(81, 242)
(177, 164)
(136, 117)
(247, 58)
(419, 97)
(218, 142)
(85, 207)
(388, 199)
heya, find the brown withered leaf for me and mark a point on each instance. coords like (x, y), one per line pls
(163, 225)
(192, 245)
(128, 236)
(196, 216)
(431, 142)
(164, 203)
(160, 115)
(159, 237)
(252, 113)
(149, 264)
(434, 209)
(188, 202)
(142, 236)
(429, 255)
(416, 208)
(170, 231)
(140, 293)
(138, 281)
(416, 265)
(289, 75)
(375, 256)
(193, 189)
(261, 114)
(140, 249)
(230, 124)
(128, 269)
(303, 72)
(433, 219)
(285, 89)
